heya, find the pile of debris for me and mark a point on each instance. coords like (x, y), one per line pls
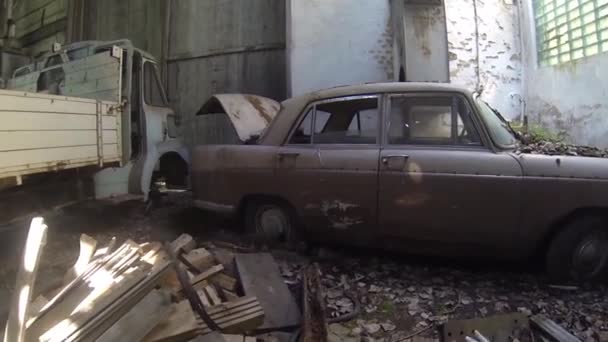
(150, 292)
(530, 143)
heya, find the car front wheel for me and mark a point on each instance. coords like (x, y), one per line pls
(579, 251)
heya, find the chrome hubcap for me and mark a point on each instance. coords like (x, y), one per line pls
(591, 255)
(271, 223)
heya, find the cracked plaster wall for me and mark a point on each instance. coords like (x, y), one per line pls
(571, 97)
(339, 42)
(499, 51)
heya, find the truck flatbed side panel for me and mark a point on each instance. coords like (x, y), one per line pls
(40, 133)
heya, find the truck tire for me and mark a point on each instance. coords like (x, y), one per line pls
(579, 251)
(269, 221)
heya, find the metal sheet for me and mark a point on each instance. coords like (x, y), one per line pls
(249, 114)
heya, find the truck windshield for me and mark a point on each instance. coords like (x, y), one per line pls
(500, 131)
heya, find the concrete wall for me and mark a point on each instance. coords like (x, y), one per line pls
(570, 98)
(486, 54)
(223, 46)
(337, 42)
(141, 21)
(40, 23)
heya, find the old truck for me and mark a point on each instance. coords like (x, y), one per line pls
(425, 168)
(93, 106)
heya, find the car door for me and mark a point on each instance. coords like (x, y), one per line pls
(329, 167)
(442, 188)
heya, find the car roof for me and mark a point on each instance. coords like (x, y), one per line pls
(292, 107)
(385, 87)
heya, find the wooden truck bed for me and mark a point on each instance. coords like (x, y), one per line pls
(41, 133)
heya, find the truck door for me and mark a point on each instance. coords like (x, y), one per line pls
(441, 188)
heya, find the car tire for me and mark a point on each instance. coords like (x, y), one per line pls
(579, 251)
(269, 221)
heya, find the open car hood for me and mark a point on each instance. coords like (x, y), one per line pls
(249, 114)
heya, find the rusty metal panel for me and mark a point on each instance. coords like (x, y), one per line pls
(41, 133)
(249, 114)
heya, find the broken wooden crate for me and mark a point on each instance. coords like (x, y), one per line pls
(128, 293)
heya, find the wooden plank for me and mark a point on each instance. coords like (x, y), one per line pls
(213, 296)
(225, 282)
(184, 242)
(233, 338)
(61, 323)
(140, 320)
(212, 337)
(88, 245)
(200, 258)
(90, 293)
(28, 269)
(104, 320)
(229, 295)
(260, 277)
(232, 317)
(314, 326)
(203, 297)
(37, 305)
(207, 273)
(180, 325)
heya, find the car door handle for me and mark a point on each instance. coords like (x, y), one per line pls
(288, 154)
(385, 159)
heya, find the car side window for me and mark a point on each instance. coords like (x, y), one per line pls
(431, 120)
(349, 121)
(303, 134)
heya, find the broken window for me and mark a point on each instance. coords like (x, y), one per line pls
(303, 134)
(341, 121)
(436, 120)
(347, 122)
(153, 94)
(568, 30)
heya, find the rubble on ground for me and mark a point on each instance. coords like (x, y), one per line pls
(248, 296)
(404, 298)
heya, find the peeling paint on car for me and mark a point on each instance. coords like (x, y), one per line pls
(341, 215)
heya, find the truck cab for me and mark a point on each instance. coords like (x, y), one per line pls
(152, 155)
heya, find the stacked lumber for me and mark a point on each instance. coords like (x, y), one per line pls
(131, 292)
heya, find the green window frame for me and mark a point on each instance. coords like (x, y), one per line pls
(567, 30)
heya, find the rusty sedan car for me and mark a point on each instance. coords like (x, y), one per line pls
(425, 168)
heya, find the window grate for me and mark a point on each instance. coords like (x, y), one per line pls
(567, 30)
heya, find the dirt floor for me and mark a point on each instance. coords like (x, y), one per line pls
(394, 295)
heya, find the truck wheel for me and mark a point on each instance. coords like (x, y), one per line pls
(269, 221)
(579, 251)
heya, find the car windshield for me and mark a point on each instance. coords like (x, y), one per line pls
(500, 131)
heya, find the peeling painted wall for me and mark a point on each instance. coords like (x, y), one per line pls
(571, 97)
(499, 51)
(338, 42)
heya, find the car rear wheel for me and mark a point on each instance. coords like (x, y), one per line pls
(579, 251)
(269, 221)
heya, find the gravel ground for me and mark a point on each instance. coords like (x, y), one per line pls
(396, 295)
